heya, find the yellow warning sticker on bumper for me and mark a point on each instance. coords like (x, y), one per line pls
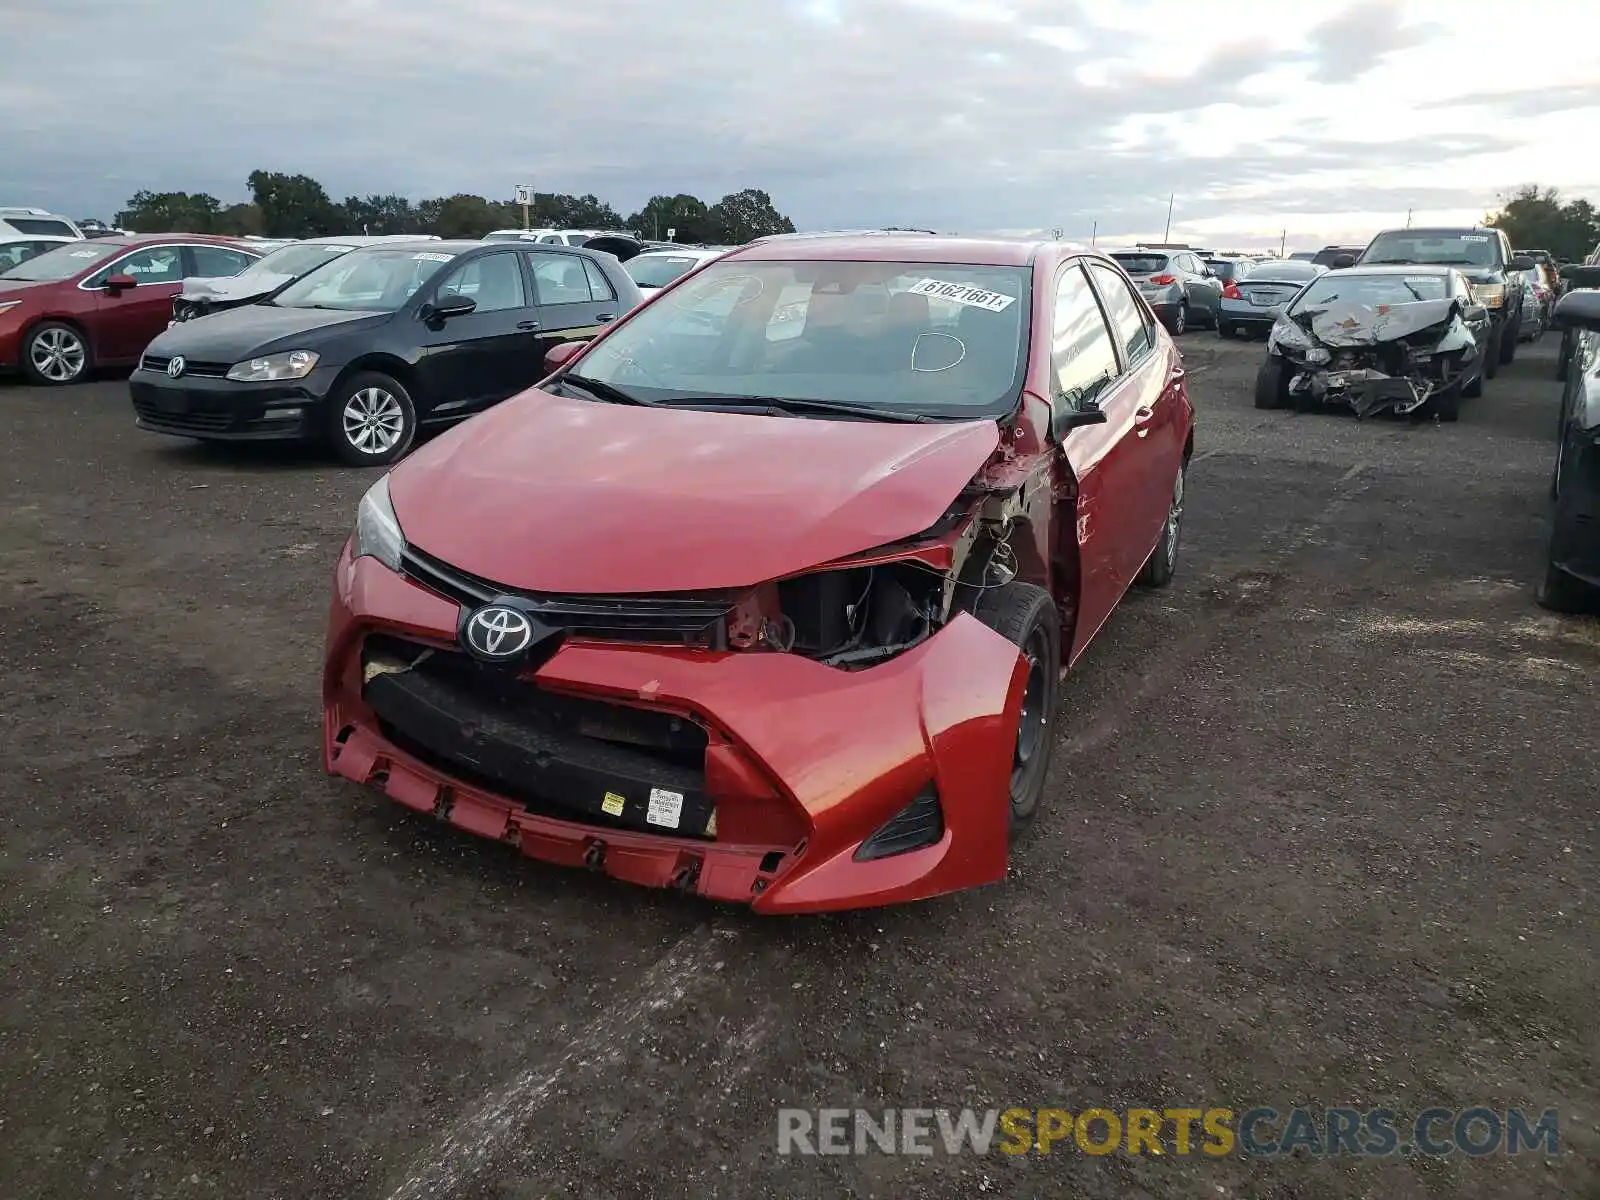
(612, 805)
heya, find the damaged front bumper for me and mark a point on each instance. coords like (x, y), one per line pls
(760, 777)
(1365, 389)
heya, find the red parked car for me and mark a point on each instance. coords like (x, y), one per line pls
(99, 303)
(767, 592)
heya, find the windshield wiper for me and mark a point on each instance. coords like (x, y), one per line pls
(774, 405)
(601, 390)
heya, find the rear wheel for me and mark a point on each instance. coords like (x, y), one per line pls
(1025, 615)
(1509, 336)
(1227, 332)
(1179, 320)
(371, 420)
(1272, 385)
(1163, 561)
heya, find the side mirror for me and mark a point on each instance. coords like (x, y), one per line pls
(1521, 262)
(1342, 261)
(451, 304)
(120, 283)
(561, 354)
(1579, 310)
(1065, 420)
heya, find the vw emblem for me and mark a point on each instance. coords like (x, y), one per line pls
(498, 633)
(176, 366)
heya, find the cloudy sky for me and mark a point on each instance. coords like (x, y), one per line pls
(1328, 120)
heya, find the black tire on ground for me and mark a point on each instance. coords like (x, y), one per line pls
(371, 420)
(1508, 340)
(1491, 355)
(1560, 592)
(1158, 569)
(1474, 389)
(1178, 321)
(1445, 404)
(1024, 614)
(56, 353)
(1226, 332)
(1272, 385)
(1566, 353)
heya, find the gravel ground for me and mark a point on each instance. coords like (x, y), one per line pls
(1320, 831)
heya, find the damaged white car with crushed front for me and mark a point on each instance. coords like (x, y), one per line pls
(1401, 339)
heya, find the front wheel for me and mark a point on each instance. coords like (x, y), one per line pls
(1446, 403)
(1272, 384)
(1024, 614)
(372, 421)
(1491, 354)
(56, 354)
(1159, 568)
(1560, 592)
(1509, 337)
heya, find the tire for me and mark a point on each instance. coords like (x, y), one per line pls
(1566, 353)
(371, 420)
(1025, 615)
(1474, 389)
(1491, 355)
(1179, 321)
(1162, 564)
(1509, 337)
(56, 354)
(1272, 385)
(1446, 404)
(1226, 332)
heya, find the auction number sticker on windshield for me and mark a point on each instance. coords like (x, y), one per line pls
(337, 249)
(430, 256)
(963, 293)
(1474, 237)
(86, 254)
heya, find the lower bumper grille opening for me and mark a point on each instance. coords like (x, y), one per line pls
(916, 826)
(561, 756)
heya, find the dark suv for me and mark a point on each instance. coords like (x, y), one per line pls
(1484, 256)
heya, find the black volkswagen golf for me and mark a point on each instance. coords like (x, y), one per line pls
(367, 348)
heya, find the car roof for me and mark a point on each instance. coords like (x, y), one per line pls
(1429, 230)
(898, 247)
(145, 239)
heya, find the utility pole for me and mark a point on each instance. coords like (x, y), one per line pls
(1408, 218)
(1283, 243)
(1094, 234)
(1167, 236)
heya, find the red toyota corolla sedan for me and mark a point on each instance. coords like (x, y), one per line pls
(99, 303)
(766, 593)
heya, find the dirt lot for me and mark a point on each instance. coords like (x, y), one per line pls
(1321, 831)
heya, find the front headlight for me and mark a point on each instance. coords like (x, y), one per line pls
(295, 364)
(1287, 335)
(1490, 295)
(377, 530)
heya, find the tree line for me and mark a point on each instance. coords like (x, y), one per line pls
(297, 206)
(1537, 218)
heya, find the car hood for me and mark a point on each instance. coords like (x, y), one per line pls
(234, 289)
(551, 494)
(19, 289)
(1343, 325)
(239, 333)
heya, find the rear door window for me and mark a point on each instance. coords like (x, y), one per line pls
(1128, 317)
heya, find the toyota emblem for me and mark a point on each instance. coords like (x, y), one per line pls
(498, 633)
(176, 366)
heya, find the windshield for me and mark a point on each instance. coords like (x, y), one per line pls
(375, 280)
(934, 339)
(1465, 249)
(69, 260)
(296, 260)
(1141, 264)
(658, 270)
(1372, 290)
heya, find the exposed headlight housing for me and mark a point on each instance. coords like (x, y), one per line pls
(292, 364)
(1286, 335)
(377, 529)
(1490, 295)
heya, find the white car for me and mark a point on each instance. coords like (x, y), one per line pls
(654, 269)
(19, 248)
(37, 222)
(548, 237)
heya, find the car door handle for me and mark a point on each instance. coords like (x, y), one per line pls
(527, 324)
(1143, 416)
(604, 317)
